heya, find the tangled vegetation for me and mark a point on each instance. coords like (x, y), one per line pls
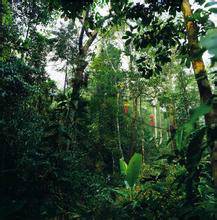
(129, 128)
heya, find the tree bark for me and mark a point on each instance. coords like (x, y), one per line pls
(66, 79)
(79, 78)
(183, 86)
(160, 124)
(118, 127)
(134, 127)
(195, 55)
(172, 124)
(203, 83)
(156, 122)
(142, 127)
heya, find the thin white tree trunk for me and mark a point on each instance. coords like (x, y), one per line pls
(118, 127)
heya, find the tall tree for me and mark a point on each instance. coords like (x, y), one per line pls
(203, 83)
(83, 49)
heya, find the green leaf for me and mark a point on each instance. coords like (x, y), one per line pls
(129, 33)
(213, 10)
(128, 42)
(203, 109)
(214, 72)
(125, 37)
(198, 112)
(210, 4)
(121, 192)
(134, 169)
(179, 138)
(188, 63)
(200, 1)
(210, 41)
(184, 132)
(123, 167)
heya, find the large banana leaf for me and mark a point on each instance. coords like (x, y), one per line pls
(123, 167)
(133, 169)
(183, 132)
(210, 40)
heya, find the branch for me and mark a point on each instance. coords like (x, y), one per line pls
(89, 42)
(155, 126)
(85, 29)
(81, 37)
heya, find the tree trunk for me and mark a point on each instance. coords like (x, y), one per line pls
(142, 127)
(79, 78)
(202, 82)
(156, 122)
(118, 127)
(66, 79)
(172, 124)
(196, 56)
(183, 86)
(134, 127)
(160, 124)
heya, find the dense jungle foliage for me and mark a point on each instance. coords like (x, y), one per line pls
(108, 109)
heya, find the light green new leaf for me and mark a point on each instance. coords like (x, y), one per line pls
(203, 109)
(210, 41)
(123, 167)
(183, 132)
(134, 169)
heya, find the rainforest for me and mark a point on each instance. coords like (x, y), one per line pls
(108, 109)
